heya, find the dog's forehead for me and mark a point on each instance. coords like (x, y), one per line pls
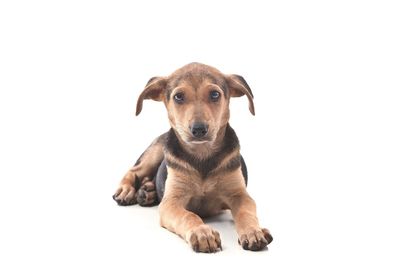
(195, 75)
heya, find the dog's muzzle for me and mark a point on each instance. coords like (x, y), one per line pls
(199, 130)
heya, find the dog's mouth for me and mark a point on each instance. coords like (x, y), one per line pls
(198, 142)
(191, 140)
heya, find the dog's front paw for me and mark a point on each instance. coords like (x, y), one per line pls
(255, 239)
(125, 195)
(204, 239)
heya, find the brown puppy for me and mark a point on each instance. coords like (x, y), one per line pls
(195, 170)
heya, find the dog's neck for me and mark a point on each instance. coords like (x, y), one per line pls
(205, 150)
(204, 157)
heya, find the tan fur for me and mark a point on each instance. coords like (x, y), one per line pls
(189, 195)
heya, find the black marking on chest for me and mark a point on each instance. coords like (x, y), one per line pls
(204, 166)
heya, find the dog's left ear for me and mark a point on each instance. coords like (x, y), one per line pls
(239, 87)
(154, 90)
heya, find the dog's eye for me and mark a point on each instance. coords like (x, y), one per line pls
(179, 98)
(214, 95)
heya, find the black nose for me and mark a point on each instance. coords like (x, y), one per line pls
(199, 129)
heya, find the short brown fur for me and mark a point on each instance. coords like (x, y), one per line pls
(205, 175)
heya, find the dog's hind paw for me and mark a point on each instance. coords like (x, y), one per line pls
(146, 196)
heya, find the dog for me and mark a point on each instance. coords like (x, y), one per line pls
(195, 170)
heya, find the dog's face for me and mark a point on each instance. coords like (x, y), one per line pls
(198, 103)
(197, 100)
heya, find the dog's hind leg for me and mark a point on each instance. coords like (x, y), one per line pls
(151, 192)
(137, 184)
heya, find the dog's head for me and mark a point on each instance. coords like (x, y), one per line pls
(197, 99)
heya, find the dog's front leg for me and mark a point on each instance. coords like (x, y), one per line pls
(141, 175)
(251, 235)
(189, 226)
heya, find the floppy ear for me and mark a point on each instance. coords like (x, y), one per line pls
(154, 90)
(239, 87)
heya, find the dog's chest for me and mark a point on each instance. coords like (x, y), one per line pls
(205, 187)
(205, 197)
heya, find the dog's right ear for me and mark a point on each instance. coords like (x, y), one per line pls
(154, 89)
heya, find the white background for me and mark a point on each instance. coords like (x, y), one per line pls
(323, 150)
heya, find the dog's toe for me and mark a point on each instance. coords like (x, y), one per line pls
(204, 239)
(146, 195)
(125, 195)
(267, 235)
(255, 239)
